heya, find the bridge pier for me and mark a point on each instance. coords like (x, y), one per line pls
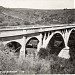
(44, 41)
(40, 42)
(22, 51)
(65, 51)
(66, 37)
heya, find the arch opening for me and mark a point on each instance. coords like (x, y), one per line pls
(31, 47)
(13, 48)
(56, 44)
(71, 44)
(71, 41)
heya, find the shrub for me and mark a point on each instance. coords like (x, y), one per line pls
(43, 53)
(27, 23)
(8, 63)
(37, 66)
(42, 67)
(26, 67)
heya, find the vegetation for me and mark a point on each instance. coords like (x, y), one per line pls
(59, 65)
(44, 63)
(17, 16)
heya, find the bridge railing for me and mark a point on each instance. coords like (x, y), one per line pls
(35, 26)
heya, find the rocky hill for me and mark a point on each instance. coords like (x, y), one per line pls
(21, 16)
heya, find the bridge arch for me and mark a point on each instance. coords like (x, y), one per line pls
(31, 45)
(49, 38)
(31, 38)
(71, 44)
(55, 43)
(71, 36)
(70, 32)
(13, 47)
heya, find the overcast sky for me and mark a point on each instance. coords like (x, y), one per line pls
(38, 4)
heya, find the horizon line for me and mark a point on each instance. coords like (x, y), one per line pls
(37, 8)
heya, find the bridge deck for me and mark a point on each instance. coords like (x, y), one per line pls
(22, 30)
(35, 26)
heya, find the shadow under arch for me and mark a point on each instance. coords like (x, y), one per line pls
(13, 47)
(56, 44)
(71, 44)
(71, 39)
(31, 46)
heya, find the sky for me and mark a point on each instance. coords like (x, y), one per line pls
(38, 4)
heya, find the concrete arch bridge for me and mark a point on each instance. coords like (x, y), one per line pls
(54, 37)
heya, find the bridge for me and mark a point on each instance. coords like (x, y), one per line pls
(43, 33)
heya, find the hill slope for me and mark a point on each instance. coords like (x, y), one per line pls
(21, 16)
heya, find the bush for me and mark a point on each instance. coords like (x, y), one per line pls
(42, 67)
(7, 63)
(27, 23)
(43, 53)
(37, 66)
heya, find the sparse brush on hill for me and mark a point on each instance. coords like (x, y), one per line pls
(33, 16)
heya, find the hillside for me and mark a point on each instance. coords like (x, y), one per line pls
(21, 16)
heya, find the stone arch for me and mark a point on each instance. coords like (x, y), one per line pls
(13, 47)
(55, 43)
